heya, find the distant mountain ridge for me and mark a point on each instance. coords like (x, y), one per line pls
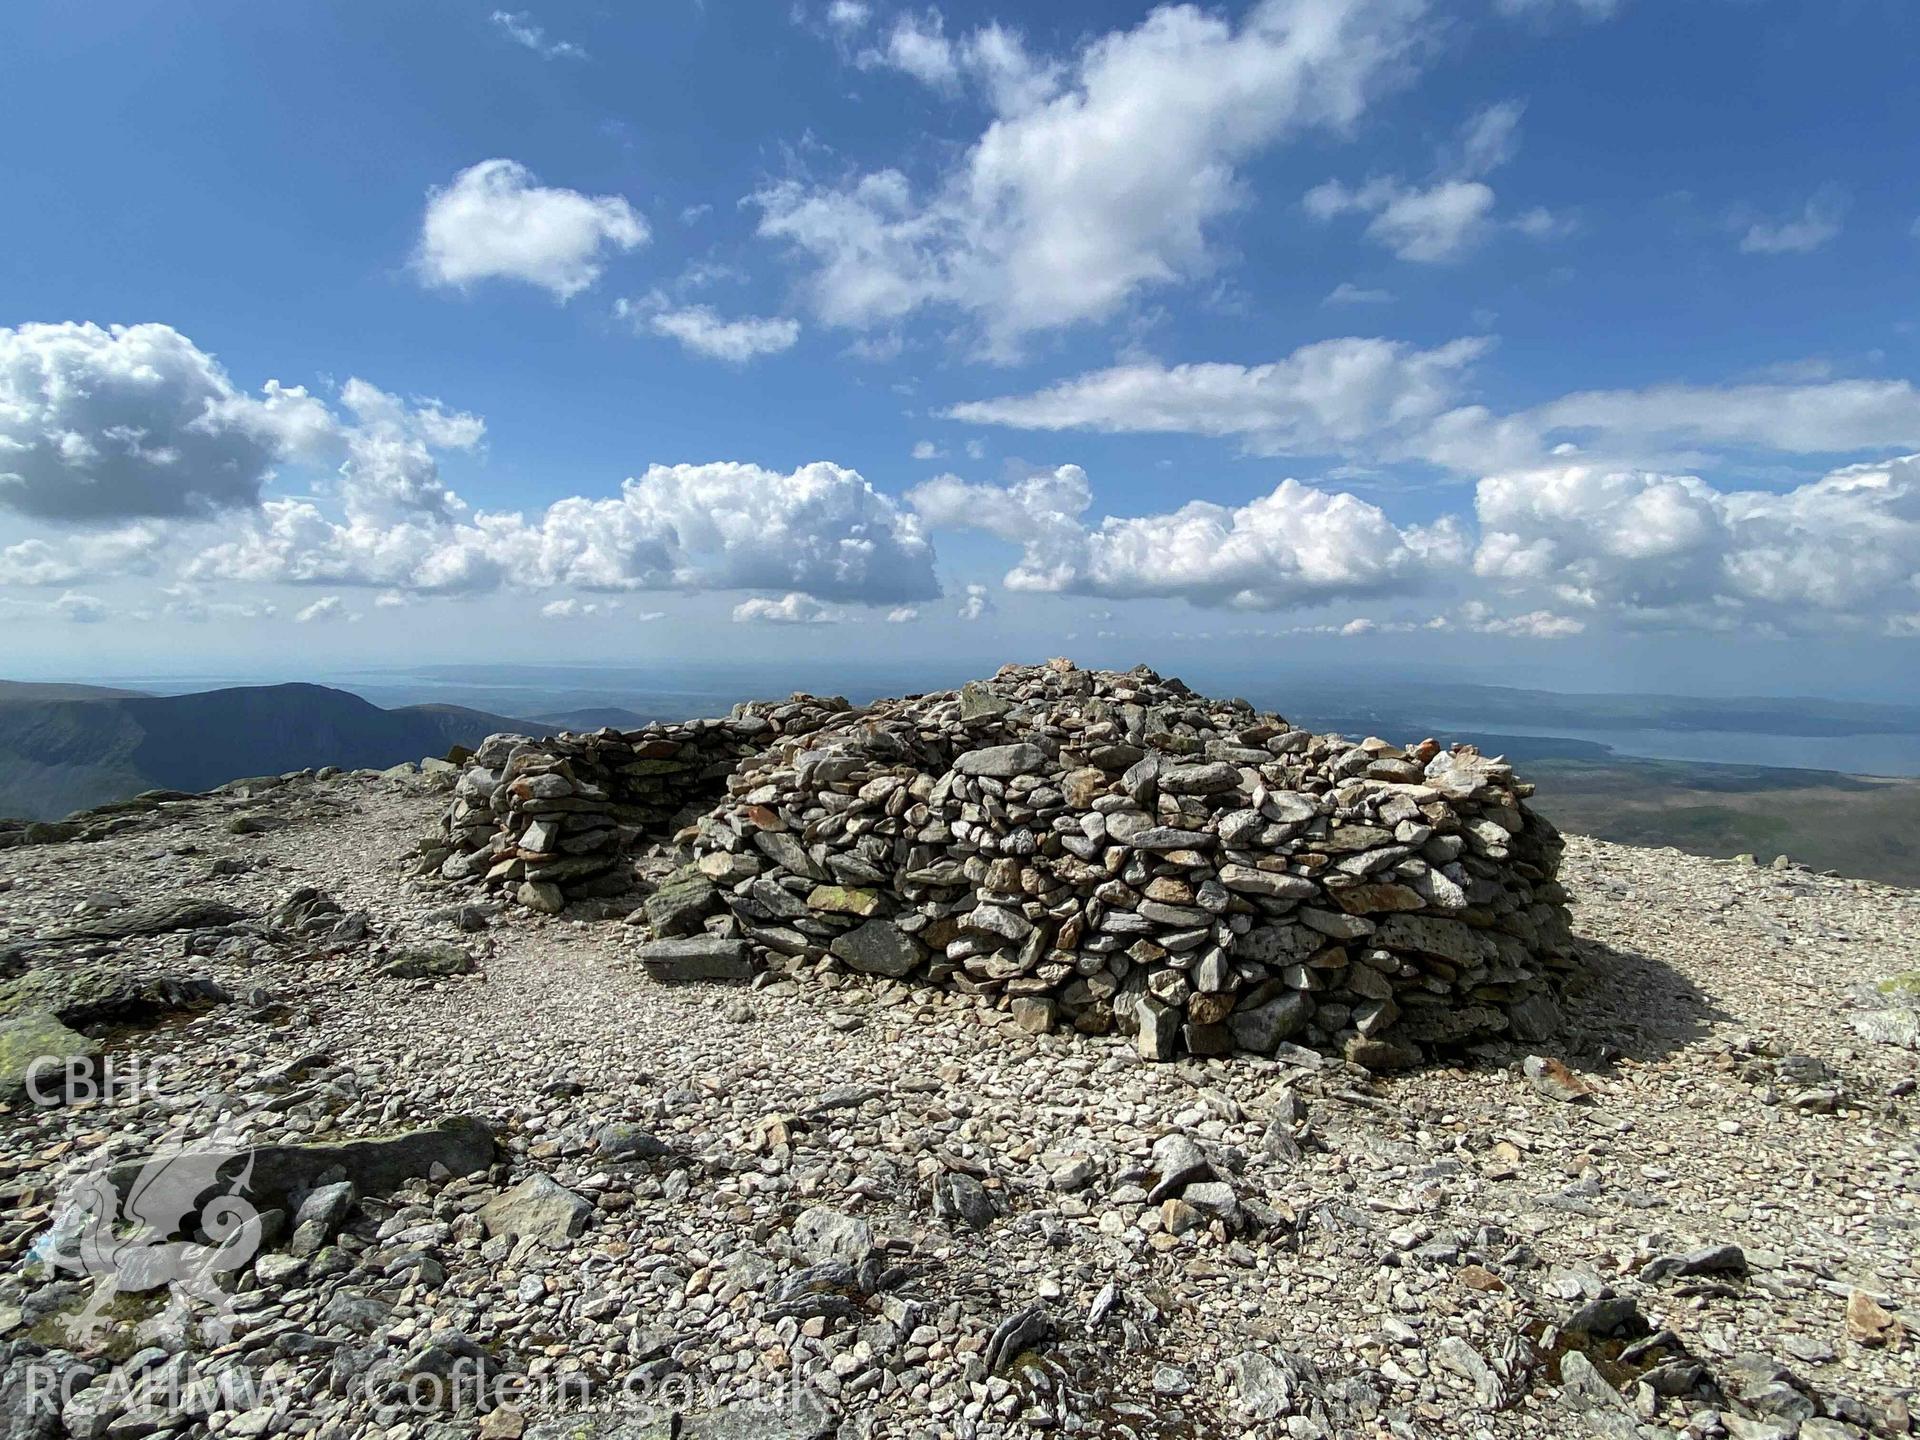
(25, 692)
(58, 755)
(596, 717)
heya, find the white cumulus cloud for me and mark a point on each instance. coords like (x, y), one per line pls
(81, 609)
(1387, 401)
(977, 604)
(702, 330)
(1295, 546)
(1347, 293)
(135, 420)
(327, 607)
(1479, 617)
(1098, 176)
(496, 222)
(1671, 549)
(130, 550)
(1439, 223)
(792, 608)
(519, 27)
(1332, 395)
(1818, 222)
(1814, 418)
(1591, 9)
(919, 46)
(820, 528)
(390, 470)
(574, 608)
(1445, 219)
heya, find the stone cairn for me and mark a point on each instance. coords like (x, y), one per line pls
(1088, 849)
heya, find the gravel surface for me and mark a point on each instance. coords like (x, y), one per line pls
(919, 1219)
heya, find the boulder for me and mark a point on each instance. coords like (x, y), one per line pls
(697, 957)
(878, 948)
(426, 962)
(38, 1054)
(1001, 762)
(538, 1207)
(822, 1234)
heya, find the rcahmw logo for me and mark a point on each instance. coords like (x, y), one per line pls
(177, 1221)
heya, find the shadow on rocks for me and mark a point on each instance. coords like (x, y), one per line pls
(1623, 1004)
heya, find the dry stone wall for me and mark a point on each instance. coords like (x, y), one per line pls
(1089, 849)
(557, 820)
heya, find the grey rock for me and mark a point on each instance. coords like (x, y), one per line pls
(1017, 1334)
(1159, 1028)
(999, 921)
(1177, 1162)
(628, 1142)
(1277, 884)
(426, 962)
(1897, 1025)
(1337, 926)
(1264, 1388)
(538, 1206)
(39, 1054)
(1278, 943)
(1611, 1316)
(1207, 779)
(1171, 1380)
(1435, 935)
(1382, 1055)
(1457, 1355)
(1584, 1388)
(1535, 1018)
(1034, 1014)
(822, 1234)
(977, 702)
(878, 947)
(1263, 1027)
(1001, 762)
(1166, 837)
(696, 957)
(1725, 1259)
(326, 1207)
(459, 1146)
(789, 854)
(153, 917)
(958, 1196)
(679, 906)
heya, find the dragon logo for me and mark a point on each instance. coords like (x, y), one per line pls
(179, 1223)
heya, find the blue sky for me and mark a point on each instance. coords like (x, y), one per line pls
(1545, 340)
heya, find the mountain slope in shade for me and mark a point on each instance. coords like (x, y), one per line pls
(22, 692)
(62, 755)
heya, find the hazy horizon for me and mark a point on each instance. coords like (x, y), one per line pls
(1777, 731)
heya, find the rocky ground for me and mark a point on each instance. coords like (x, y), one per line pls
(894, 1212)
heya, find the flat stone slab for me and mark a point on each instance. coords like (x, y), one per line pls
(37, 1050)
(697, 957)
(1001, 762)
(459, 1145)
